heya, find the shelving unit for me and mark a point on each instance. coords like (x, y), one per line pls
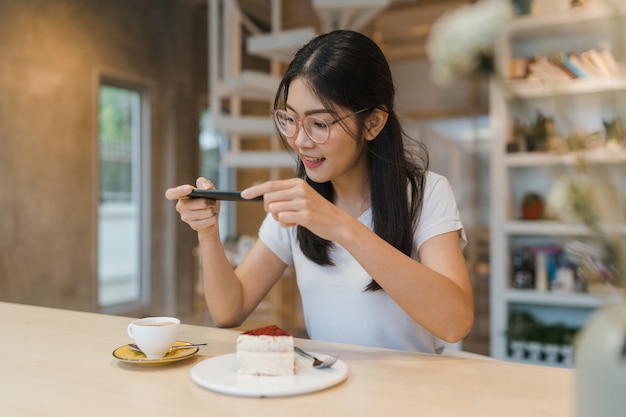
(577, 104)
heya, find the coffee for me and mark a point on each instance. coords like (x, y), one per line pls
(154, 335)
(165, 323)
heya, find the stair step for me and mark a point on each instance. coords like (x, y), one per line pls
(347, 14)
(281, 45)
(258, 159)
(249, 126)
(249, 84)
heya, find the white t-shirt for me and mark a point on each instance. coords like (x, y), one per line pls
(336, 307)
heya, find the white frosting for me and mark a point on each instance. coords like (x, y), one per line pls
(265, 355)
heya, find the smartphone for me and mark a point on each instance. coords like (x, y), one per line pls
(221, 195)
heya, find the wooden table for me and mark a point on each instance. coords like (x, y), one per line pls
(59, 363)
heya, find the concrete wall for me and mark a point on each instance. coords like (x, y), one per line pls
(51, 53)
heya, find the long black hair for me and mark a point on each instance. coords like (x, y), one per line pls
(346, 69)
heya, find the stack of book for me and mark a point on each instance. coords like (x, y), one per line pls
(563, 66)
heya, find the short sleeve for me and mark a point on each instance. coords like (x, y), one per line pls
(440, 213)
(277, 238)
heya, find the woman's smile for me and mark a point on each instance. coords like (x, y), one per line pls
(311, 162)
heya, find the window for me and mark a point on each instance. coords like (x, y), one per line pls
(122, 213)
(210, 142)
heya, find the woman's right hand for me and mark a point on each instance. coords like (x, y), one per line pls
(199, 213)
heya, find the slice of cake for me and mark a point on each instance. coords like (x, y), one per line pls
(266, 351)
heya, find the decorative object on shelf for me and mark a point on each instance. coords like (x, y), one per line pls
(580, 140)
(554, 142)
(548, 268)
(538, 136)
(532, 340)
(532, 206)
(593, 268)
(541, 272)
(523, 264)
(615, 132)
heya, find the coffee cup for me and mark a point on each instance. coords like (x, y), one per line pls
(154, 335)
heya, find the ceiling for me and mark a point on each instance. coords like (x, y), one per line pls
(401, 30)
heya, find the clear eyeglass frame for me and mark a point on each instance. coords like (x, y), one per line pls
(316, 128)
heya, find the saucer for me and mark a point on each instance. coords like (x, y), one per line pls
(127, 354)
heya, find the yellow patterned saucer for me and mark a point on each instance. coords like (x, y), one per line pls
(127, 354)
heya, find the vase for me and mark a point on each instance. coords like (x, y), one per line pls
(600, 364)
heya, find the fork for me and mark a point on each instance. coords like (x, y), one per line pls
(317, 363)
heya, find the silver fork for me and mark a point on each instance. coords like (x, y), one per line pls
(317, 363)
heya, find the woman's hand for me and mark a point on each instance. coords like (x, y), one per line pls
(199, 213)
(293, 202)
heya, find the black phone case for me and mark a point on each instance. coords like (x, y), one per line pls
(221, 195)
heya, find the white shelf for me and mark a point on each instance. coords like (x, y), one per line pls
(538, 362)
(585, 103)
(248, 84)
(538, 89)
(552, 298)
(258, 159)
(545, 228)
(280, 46)
(347, 14)
(534, 159)
(575, 21)
(551, 228)
(248, 126)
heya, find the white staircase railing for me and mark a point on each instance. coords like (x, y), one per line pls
(230, 85)
(347, 14)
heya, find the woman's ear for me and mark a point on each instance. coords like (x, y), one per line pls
(375, 123)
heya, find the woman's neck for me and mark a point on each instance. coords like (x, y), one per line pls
(352, 197)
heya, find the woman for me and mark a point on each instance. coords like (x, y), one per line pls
(375, 238)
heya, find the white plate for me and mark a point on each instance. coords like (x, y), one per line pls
(220, 374)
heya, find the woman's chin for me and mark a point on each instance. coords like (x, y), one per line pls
(315, 175)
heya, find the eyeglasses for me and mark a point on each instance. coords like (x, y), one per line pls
(316, 128)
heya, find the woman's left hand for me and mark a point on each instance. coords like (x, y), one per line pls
(293, 202)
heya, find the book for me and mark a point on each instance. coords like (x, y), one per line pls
(547, 71)
(594, 58)
(557, 61)
(586, 66)
(574, 69)
(610, 62)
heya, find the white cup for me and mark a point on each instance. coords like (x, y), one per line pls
(154, 335)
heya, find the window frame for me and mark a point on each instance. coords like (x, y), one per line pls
(143, 185)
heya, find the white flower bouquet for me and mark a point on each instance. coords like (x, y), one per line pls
(461, 41)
